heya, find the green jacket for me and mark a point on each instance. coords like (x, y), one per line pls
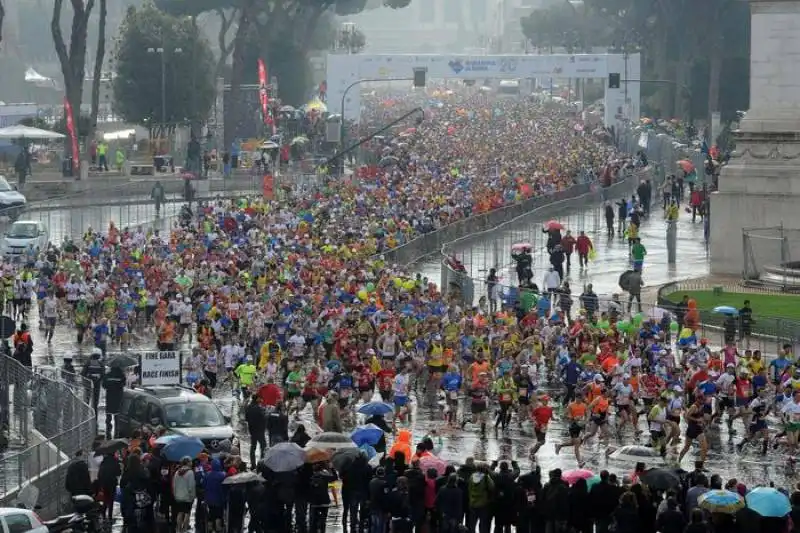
(480, 489)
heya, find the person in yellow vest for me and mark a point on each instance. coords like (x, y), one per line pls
(119, 157)
(672, 211)
(102, 151)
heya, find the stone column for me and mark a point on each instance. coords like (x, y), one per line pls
(760, 188)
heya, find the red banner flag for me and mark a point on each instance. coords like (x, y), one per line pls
(262, 90)
(73, 135)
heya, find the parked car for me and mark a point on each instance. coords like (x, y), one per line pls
(22, 235)
(180, 409)
(15, 520)
(12, 202)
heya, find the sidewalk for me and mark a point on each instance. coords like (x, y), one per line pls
(42, 187)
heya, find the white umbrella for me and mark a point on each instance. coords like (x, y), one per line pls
(19, 131)
(331, 440)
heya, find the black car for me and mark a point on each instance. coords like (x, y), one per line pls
(180, 409)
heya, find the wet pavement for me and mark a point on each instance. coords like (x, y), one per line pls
(479, 255)
(603, 273)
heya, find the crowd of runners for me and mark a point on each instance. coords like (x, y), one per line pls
(294, 304)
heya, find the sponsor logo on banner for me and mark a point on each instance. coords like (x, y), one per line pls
(160, 368)
(456, 66)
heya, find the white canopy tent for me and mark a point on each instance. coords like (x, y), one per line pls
(19, 131)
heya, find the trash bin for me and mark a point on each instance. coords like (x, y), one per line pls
(67, 168)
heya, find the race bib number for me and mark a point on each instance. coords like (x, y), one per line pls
(523, 392)
(454, 395)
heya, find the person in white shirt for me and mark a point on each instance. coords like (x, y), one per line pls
(298, 344)
(552, 281)
(50, 312)
(726, 385)
(791, 417)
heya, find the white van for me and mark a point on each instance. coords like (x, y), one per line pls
(22, 235)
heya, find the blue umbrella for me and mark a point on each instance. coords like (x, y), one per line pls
(375, 408)
(177, 449)
(768, 502)
(166, 439)
(369, 434)
(368, 450)
(726, 310)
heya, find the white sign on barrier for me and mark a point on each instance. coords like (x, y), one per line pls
(160, 368)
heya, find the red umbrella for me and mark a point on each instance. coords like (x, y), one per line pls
(553, 224)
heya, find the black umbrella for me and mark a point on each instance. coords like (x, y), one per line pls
(660, 479)
(123, 361)
(624, 282)
(388, 161)
(111, 446)
(342, 459)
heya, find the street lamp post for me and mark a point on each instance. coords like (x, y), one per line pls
(160, 52)
(344, 96)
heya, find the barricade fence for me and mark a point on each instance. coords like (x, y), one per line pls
(663, 151)
(579, 209)
(70, 216)
(49, 420)
(771, 332)
(490, 221)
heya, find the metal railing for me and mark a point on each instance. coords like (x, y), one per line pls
(48, 422)
(766, 332)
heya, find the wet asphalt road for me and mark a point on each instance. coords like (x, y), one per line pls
(478, 256)
(515, 443)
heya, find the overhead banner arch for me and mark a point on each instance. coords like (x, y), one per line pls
(343, 70)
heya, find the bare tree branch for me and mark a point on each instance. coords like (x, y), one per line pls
(225, 45)
(100, 55)
(58, 37)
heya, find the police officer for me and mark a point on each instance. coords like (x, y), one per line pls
(113, 382)
(94, 370)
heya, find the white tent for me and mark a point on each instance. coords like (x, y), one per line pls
(19, 131)
(31, 76)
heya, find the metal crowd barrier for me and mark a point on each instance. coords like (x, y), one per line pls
(47, 422)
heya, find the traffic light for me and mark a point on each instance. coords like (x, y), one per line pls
(419, 76)
(613, 80)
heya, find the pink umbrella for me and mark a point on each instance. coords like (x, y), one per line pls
(553, 224)
(571, 476)
(431, 461)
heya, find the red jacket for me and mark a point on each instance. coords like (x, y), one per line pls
(583, 244)
(568, 244)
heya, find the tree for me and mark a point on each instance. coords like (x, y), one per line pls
(163, 70)
(100, 56)
(562, 25)
(72, 59)
(2, 16)
(224, 44)
(258, 22)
